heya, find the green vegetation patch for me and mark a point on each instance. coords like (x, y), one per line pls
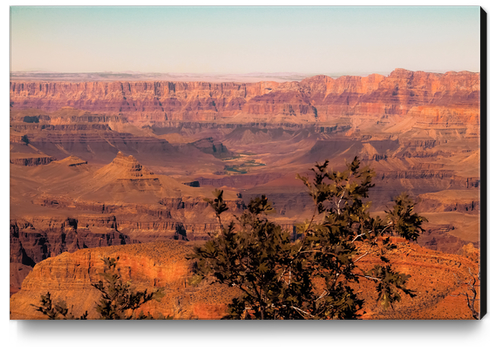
(242, 168)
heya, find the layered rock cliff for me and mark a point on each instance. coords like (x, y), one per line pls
(431, 97)
(31, 242)
(147, 266)
(435, 278)
(30, 245)
(30, 160)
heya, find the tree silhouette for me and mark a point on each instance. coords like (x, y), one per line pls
(56, 310)
(25, 139)
(311, 277)
(118, 300)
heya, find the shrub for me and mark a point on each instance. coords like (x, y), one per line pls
(118, 300)
(311, 277)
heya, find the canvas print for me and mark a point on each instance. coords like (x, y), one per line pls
(269, 163)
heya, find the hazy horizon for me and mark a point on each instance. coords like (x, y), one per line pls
(109, 76)
(134, 72)
(244, 40)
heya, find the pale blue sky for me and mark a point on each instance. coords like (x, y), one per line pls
(310, 40)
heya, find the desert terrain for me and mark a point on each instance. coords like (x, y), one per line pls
(436, 277)
(104, 166)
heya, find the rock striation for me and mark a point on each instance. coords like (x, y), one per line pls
(29, 245)
(147, 266)
(32, 242)
(434, 278)
(28, 160)
(126, 168)
(434, 98)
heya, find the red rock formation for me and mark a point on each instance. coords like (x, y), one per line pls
(27, 160)
(148, 266)
(431, 97)
(213, 147)
(30, 243)
(434, 278)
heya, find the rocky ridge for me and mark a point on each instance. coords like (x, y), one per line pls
(434, 277)
(432, 98)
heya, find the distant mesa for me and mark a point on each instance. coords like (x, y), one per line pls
(130, 162)
(368, 152)
(430, 97)
(30, 159)
(126, 167)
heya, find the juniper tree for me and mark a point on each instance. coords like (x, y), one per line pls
(118, 300)
(56, 310)
(25, 139)
(310, 277)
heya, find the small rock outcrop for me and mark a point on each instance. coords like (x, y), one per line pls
(24, 160)
(213, 147)
(128, 167)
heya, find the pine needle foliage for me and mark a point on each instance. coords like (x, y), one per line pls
(118, 300)
(56, 310)
(310, 277)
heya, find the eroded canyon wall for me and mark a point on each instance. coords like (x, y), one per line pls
(435, 279)
(432, 97)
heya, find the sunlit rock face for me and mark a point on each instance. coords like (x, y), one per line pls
(68, 277)
(432, 97)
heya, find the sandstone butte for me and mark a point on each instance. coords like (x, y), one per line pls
(431, 97)
(437, 279)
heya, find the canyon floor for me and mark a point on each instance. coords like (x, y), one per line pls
(115, 175)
